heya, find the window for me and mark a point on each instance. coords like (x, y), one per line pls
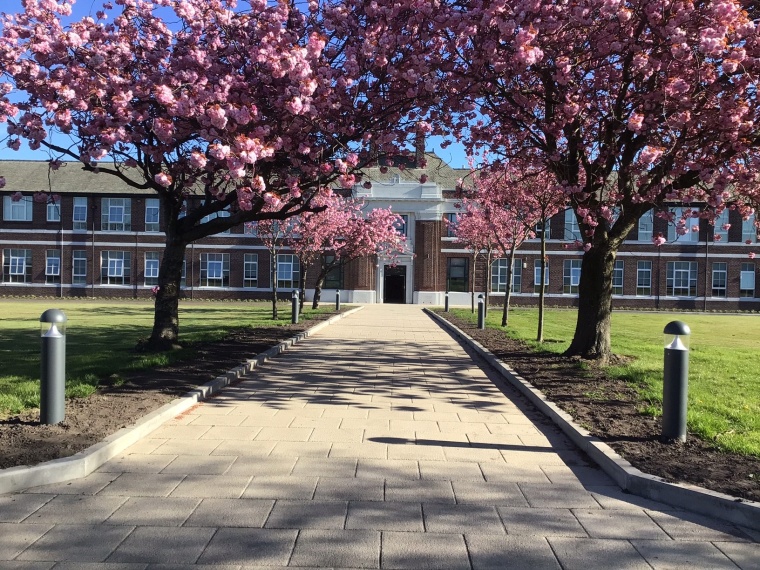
(499, 275)
(334, 277)
(79, 267)
(689, 236)
(17, 265)
(52, 266)
(617, 277)
(719, 278)
(450, 224)
(719, 234)
(183, 279)
(115, 268)
(251, 229)
(220, 214)
(457, 274)
(537, 275)
(747, 280)
(54, 210)
(152, 208)
(288, 271)
(116, 215)
(402, 226)
(644, 278)
(681, 280)
(250, 270)
(749, 231)
(572, 231)
(151, 268)
(543, 227)
(571, 276)
(646, 226)
(20, 211)
(80, 213)
(215, 270)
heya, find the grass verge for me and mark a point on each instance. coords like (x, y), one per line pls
(724, 385)
(101, 337)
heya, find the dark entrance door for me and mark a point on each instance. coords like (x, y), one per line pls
(394, 284)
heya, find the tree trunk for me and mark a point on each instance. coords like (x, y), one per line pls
(488, 283)
(472, 283)
(274, 288)
(302, 288)
(318, 291)
(508, 293)
(592, 330)
(165, 335)
(542, 291)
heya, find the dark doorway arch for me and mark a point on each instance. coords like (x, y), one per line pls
(394, 284)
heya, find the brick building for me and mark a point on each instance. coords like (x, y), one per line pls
(104, 239)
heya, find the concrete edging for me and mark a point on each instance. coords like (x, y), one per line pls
(85, 462)
(684, 496)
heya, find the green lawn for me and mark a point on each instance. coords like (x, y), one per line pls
(101, 336)
(724, 384)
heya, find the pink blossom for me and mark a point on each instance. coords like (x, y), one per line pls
(748, 241)
(17, 196)
(423, 178)
(658, 240)
(2, 181)
(695, 228)
(217, 116)
(751, 255)
(586, 247)
(726, 227)
(272, 200)
(352, 159)
(163, 179)
(717, 237)
(197, 159)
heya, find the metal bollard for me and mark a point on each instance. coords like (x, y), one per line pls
(294, 307)
(337, 299)
(675, 386)
(481, 312)
(53, 367)
(446, 302)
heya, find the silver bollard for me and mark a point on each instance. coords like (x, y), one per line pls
(294, 307)
(481, 312)
(53, 367)
(337, 299)
(446, 302)
(675, 385)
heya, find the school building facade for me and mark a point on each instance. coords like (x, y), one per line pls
(103, 239)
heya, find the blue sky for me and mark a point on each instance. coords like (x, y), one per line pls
(454, 154)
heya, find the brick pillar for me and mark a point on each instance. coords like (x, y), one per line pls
(427, 241)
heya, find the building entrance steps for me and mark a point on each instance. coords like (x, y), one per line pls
(376, 443)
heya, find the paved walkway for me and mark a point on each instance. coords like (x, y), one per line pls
(377, 443)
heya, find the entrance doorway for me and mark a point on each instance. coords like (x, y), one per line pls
(394, 284)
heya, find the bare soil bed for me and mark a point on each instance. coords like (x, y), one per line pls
(609, 409)
(606, 407)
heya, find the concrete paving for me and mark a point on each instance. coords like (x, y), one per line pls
(377, 443)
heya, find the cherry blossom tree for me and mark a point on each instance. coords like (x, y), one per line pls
(246, 106)
(342, 232)
(276, 236)
(631, 104)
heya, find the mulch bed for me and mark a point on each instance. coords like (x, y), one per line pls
(609, 409)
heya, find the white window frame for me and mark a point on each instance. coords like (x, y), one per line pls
(152, 215)
(749, 231)
(19, 211)
(116, 215)
(116, 267)
(537, 275)
(215, 270)
(644, 278)
(403, 228)
(52, 266)
(572, 228)
(719, 279)
(79, 215)
(718, 229)
(250, 270)
(618, 277)
(152, 267)
(690, 236)
(288, 262)
(53, 210)
(679, 272)
(79, 261)
(747, 280)
(450, 224)
(499, 275)
(646, 227)
(17, 265)
(571, 276)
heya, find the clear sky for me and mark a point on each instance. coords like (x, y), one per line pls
(455, 154)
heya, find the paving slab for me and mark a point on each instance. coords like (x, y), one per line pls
(377, 443)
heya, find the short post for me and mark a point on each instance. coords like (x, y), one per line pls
(337, 299)
(446, 302)
(481, 312)
(675, 386)
(53, 367)
(294, 307)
